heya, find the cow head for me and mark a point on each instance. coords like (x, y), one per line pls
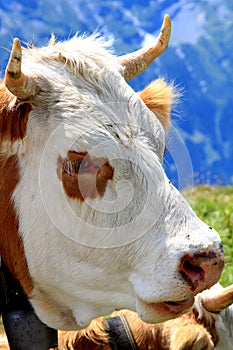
(89, 220)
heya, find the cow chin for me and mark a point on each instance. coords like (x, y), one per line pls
(163, 311)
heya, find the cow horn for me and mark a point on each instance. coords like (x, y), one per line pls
(219, 301)
(136, 62)
(17, 83)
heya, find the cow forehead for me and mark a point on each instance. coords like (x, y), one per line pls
(114, 139)
(82, 87)
(81, 56)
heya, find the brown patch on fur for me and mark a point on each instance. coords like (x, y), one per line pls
(209, 323)
(83, 176)
(13, 121)
(185, 333)
(13, 124)
(4, 343)
(159, 97)
(91, 338)
(11, 248)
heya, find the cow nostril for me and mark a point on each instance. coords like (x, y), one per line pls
(201, 270)
(192, 273)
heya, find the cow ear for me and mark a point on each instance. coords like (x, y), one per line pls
(159, 98)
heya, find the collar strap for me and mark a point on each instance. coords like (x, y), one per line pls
(11, 293)
(3, 288)
(120, 334)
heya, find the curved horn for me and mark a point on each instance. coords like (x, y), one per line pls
(219, 301)
(136, 62)
(17, 83)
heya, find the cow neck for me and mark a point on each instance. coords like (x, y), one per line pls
(13, 123)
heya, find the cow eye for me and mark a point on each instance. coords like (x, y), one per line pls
(72, 167)
(84, 164)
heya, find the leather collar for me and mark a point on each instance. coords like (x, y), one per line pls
(120, 334)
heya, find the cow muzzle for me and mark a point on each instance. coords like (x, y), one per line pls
(202, 269)
(198, 270)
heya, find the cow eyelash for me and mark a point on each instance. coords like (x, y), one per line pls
(72, 167)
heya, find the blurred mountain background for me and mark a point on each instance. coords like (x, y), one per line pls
(199, 60)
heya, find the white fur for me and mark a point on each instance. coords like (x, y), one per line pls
(85, 263)
(225, 329)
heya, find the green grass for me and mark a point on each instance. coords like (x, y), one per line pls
(214, 205)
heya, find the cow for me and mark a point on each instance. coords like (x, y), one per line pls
(84, 196)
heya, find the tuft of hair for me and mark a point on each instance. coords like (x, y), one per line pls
(4, 343)
(159, 97)
(93, 337)
(193, 337)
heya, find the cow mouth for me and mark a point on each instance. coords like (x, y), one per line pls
(177, 307)
(170, 308)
